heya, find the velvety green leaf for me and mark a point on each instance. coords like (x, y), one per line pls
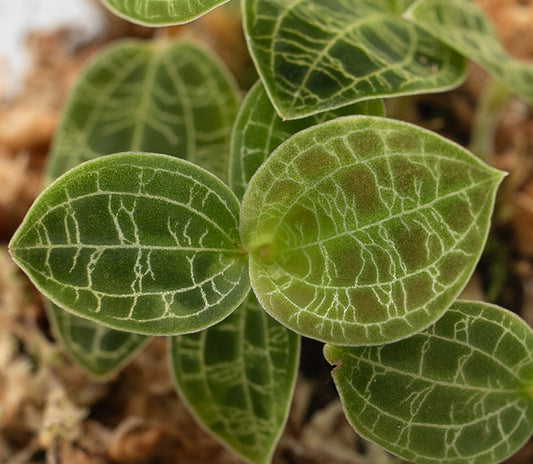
(140, 242)
(99, 350)
(161, 12)
(258, 130)
(463, 26)
(363, 230)
(237, 378)
(194, 123)
(159, 97)
(461, 392)
(317, 55)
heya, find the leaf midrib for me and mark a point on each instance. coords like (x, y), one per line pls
(145, 100)
(381, 221)
(423, 156)
(65, 205)
(325, 50)
(474, 349)
(142, 247)
(85, 133)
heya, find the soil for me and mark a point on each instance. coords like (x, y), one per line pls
(50, 411)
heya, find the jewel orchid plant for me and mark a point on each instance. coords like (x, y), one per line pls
(173, 209)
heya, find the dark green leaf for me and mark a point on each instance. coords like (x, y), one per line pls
(159, 97)
(237, 378)
(140, 242)
(461, 392)
(317, 55)
(99, 350)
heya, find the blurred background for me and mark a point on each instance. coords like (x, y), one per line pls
(21, 18)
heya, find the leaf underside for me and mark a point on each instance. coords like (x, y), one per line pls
(139, 242)
(258, 130)
(237, 378)
(318, 55)
(363, 230)
(161, 12)
(87, 131)
(461, 392)
(462, 25)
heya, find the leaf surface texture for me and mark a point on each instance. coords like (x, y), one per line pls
(140, 242)
(363, 230)
(460, 392)
(172, 98)
(317, 55)
(237, 378)
(86, 131)
(258, 130)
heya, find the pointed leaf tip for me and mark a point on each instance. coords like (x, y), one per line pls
(139, 242)
(315, 56)
(374, 227)
(249, 358)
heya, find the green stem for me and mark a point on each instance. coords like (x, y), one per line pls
(493, 99)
